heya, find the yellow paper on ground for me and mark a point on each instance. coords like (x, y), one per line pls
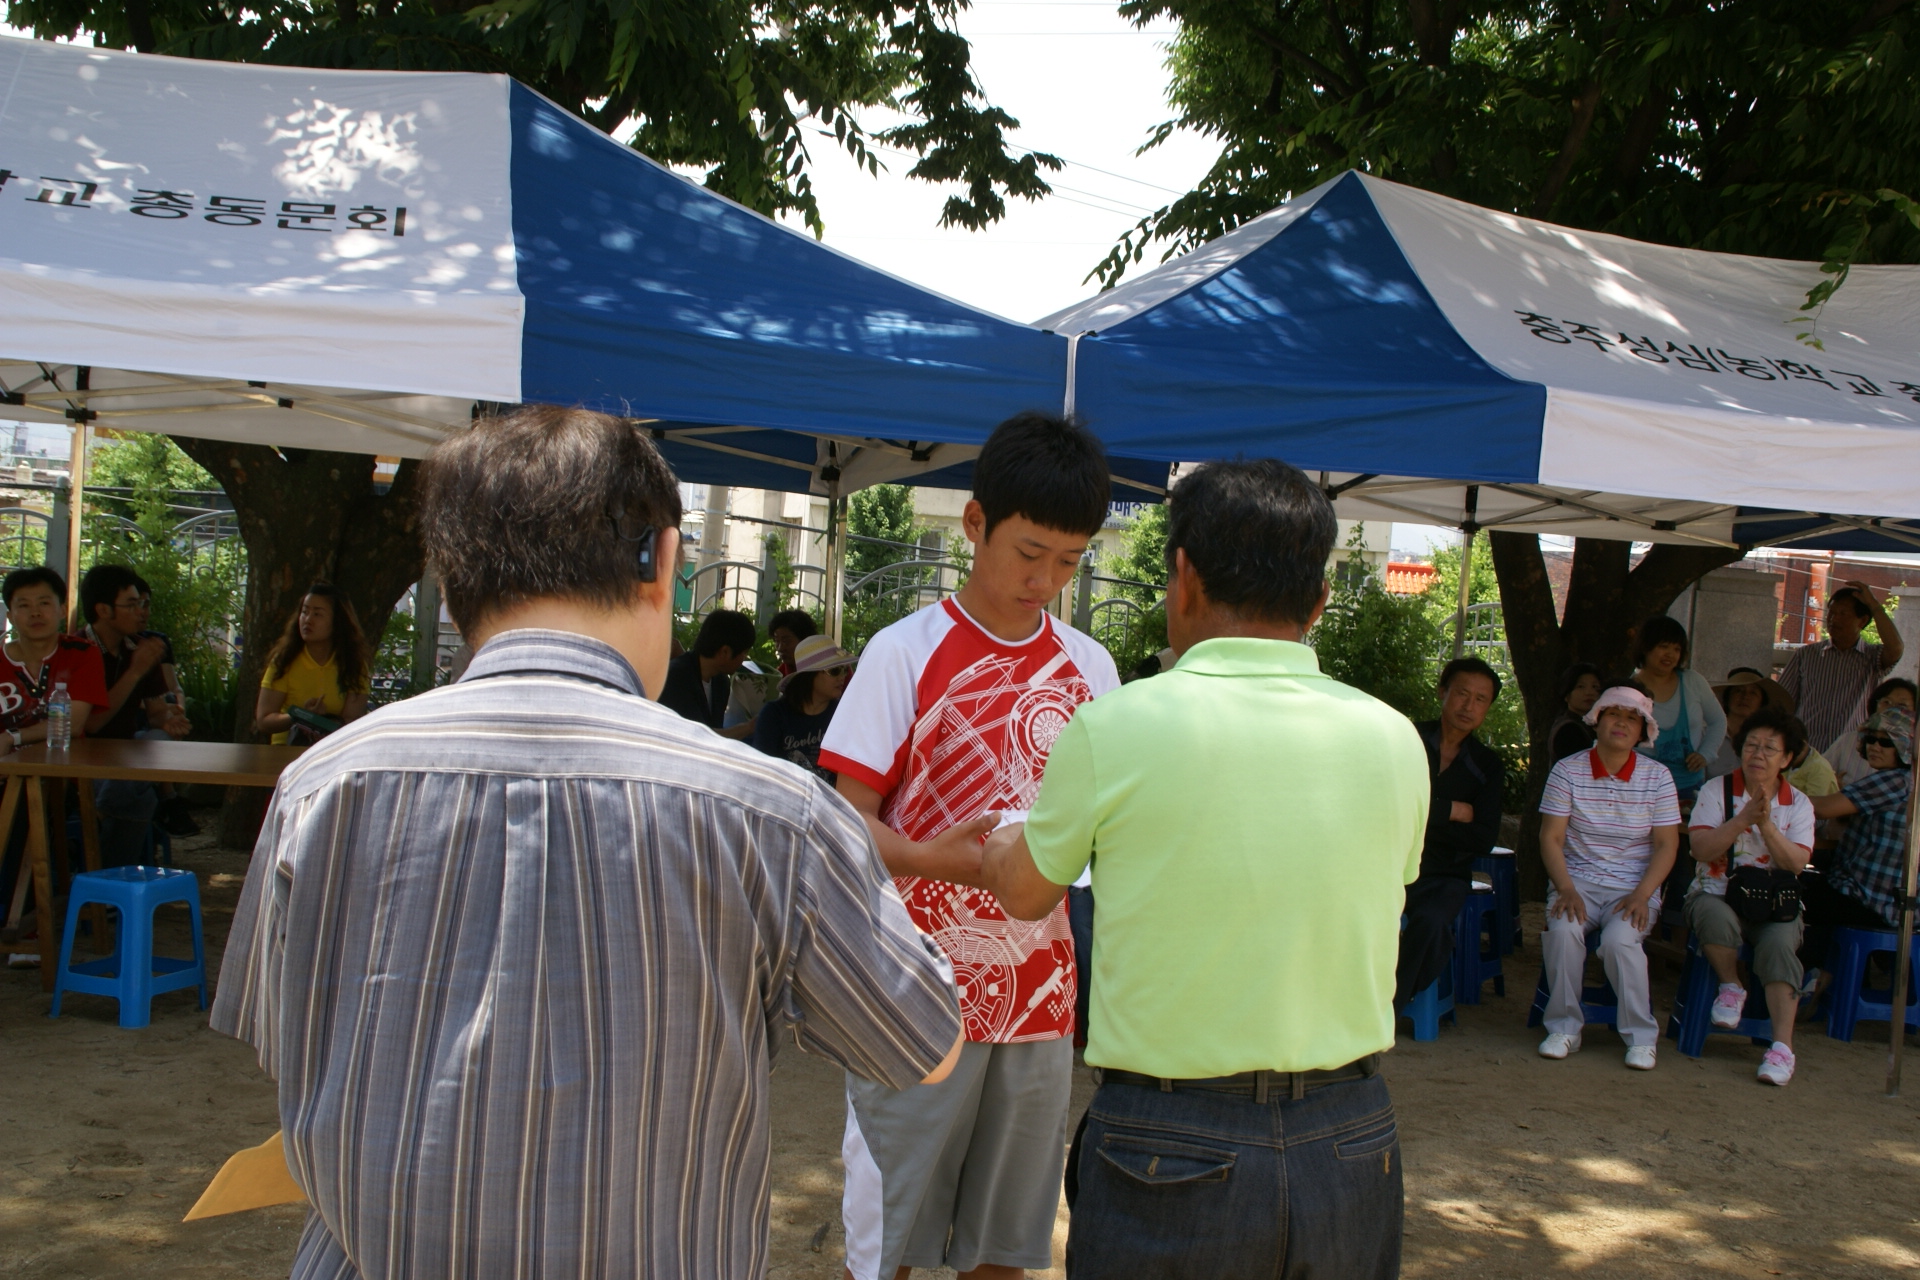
(250, 1179)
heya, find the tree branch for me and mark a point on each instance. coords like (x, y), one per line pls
(1874, 17)
(1432, 32)
(1667, 570)
(1325, 74)
(1584, 104)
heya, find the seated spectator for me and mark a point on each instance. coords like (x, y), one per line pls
(788, 628)
(1463, 821)
(320, 664)
(115, 600)
(698, 682)
(1689, 719)
(40, 660)
(1753, 817)
(1848, 764)
(1579, 688)
(792, 725)
(1742, 693)
(1832, 679)
(1609, 832)
(1860, 886)
(37, 661)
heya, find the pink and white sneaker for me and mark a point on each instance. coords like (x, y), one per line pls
(1777, 1066)
(1728, 1005)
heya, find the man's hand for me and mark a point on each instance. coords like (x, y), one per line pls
(1461, 811)
(1569, 905)
(1635, 909)
(955, 854)
(148, 654)
(1007, 871)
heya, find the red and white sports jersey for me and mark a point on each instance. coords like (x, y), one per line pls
(949, 722)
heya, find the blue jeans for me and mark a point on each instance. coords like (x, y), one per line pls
(1207, 1183)
(1080, 921)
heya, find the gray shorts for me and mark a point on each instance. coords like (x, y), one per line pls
(1775, 945)
(963, 1173)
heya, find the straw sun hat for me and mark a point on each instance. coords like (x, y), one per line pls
(816, 653)
(1740, 677)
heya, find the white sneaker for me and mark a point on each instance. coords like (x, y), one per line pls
(1640, 1057)
(1728, 1005)
(1558, 1045)
(1777, 1066)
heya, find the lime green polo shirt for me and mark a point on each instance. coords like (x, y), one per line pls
(1252, 825)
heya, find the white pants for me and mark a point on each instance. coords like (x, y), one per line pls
(1564, 950)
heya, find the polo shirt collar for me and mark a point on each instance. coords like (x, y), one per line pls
(1785, 795)
(1246, 656)
(554, 653)
(1600, 769)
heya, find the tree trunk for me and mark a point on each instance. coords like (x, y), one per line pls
(1607, 597)
(306, 516)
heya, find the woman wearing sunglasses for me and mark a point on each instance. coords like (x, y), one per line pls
(792, 727)
(1860, 887)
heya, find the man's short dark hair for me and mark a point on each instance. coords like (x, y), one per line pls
(724, 629)
(101, 586)
(540, 503)
(1469, 667)
(798, 621)
(1258, 533)
(1793, 733)
(1049, 469)
(39, 575)
(1660, 629)
(1861, 609)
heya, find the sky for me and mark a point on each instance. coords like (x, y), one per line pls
(1086, 86)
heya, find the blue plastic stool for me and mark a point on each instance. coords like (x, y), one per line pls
(1476, 948)
(1429, 1006)
(1500, 869)
(132, 974)
(1598, 1005)
(1848, 1000)
(1692, 1019)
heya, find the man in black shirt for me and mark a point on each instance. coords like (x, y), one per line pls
(1462, 823)
(115, 602)
(697, 681)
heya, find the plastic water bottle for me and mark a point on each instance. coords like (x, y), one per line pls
(59, 719)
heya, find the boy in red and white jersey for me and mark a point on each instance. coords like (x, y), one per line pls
(947, 725)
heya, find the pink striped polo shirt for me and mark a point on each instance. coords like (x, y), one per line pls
(1610, 816)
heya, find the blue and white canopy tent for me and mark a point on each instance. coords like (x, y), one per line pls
(1445, 363)
(357, 260)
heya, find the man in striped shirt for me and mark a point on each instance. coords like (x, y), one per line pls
(1830, 680)
(519, 951)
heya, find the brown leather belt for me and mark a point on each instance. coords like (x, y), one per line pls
(1258, 1084)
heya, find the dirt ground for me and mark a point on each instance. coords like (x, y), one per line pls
(1515, 1166)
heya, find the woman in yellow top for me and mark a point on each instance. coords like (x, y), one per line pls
(320, 663)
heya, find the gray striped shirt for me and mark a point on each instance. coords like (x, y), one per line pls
(1830, 687)
(519, 953)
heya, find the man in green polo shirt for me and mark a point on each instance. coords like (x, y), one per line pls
(1252, 826)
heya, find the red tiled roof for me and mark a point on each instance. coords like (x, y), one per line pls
(1405, 579)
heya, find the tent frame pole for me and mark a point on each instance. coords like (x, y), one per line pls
(833, 587)
(1903, 955)
(76, 509)
(1468, 527)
